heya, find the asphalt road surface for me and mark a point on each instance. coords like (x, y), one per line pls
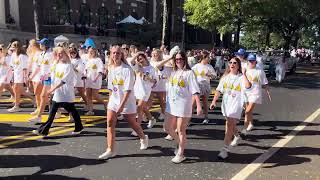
(62, 156)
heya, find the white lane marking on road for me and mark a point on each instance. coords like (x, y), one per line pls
(250, 168)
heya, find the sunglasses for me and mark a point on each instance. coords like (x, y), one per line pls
(232, 62)
(179, 59)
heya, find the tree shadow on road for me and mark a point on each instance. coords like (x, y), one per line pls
(47, 163)
(41, 176)
(288, 155)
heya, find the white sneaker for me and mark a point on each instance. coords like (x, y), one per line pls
(58, 115)
(76, 132)
(35, 112)
(161, 117)
(108, 154)
(152, 122)
(36, 132)
(176, 150)
(35, 120)
(14, 109)
(244, 132)
(205, 121)
(89, 113)
(169, 138)
(250, 127)
(133, 133)
(144, 142)
(178, 159)
(121, 117)
(235, 140)
(223, 153)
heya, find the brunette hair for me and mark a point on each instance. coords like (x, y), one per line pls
(19, 48)
(227, 71)
(185, 59)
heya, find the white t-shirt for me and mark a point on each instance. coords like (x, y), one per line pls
(45, 63)
(142, 86)
(181, 86)
(162, 76)
(34, 60)
(260, 62)
(78, 67)
(19, 64)
(257, 77)
(120, 80)
(232, 87)
(92, 69)
(5, 69)
(202, 70)
(64, 73)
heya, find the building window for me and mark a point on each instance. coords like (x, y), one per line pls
(62, 11)
(103, 18)
(84, 14)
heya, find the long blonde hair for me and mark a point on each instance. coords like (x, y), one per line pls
(65, 54)
(33, 47)
(114, 48)
(158, 51)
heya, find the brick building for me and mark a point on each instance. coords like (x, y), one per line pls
(98, 17)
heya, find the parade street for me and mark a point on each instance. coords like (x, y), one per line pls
(284, 143)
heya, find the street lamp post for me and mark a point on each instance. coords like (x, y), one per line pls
(184, 20)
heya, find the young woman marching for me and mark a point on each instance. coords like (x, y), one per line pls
(204, 72)
(121, 83)
(34, 57)
(45, 66)
(145, 80)
(232, 84)
(182, 86)
(163, 73)
(19, 62)
(64, 79)
(253, 96)
(78, 66)
(94, 69)
(5, 71)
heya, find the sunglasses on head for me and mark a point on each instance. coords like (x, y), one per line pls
(232, 62)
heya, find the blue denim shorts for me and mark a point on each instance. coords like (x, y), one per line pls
(47, 82)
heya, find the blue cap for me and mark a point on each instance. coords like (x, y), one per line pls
(252, 57)
(89, 43)
(240, 52)
(44, 41)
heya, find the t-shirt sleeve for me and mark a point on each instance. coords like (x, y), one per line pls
(212, 71)
(220, 85)
(129, 80)
(263, 78)
(193, 85)
(109, 79)
(25, 60)
(100, 65)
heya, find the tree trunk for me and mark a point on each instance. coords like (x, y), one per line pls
(166, 22)
(35, 17)
(287, 43)
(237, 35)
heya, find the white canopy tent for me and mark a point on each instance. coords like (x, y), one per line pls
(143, 20)
(60, 39)
(129, 20)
